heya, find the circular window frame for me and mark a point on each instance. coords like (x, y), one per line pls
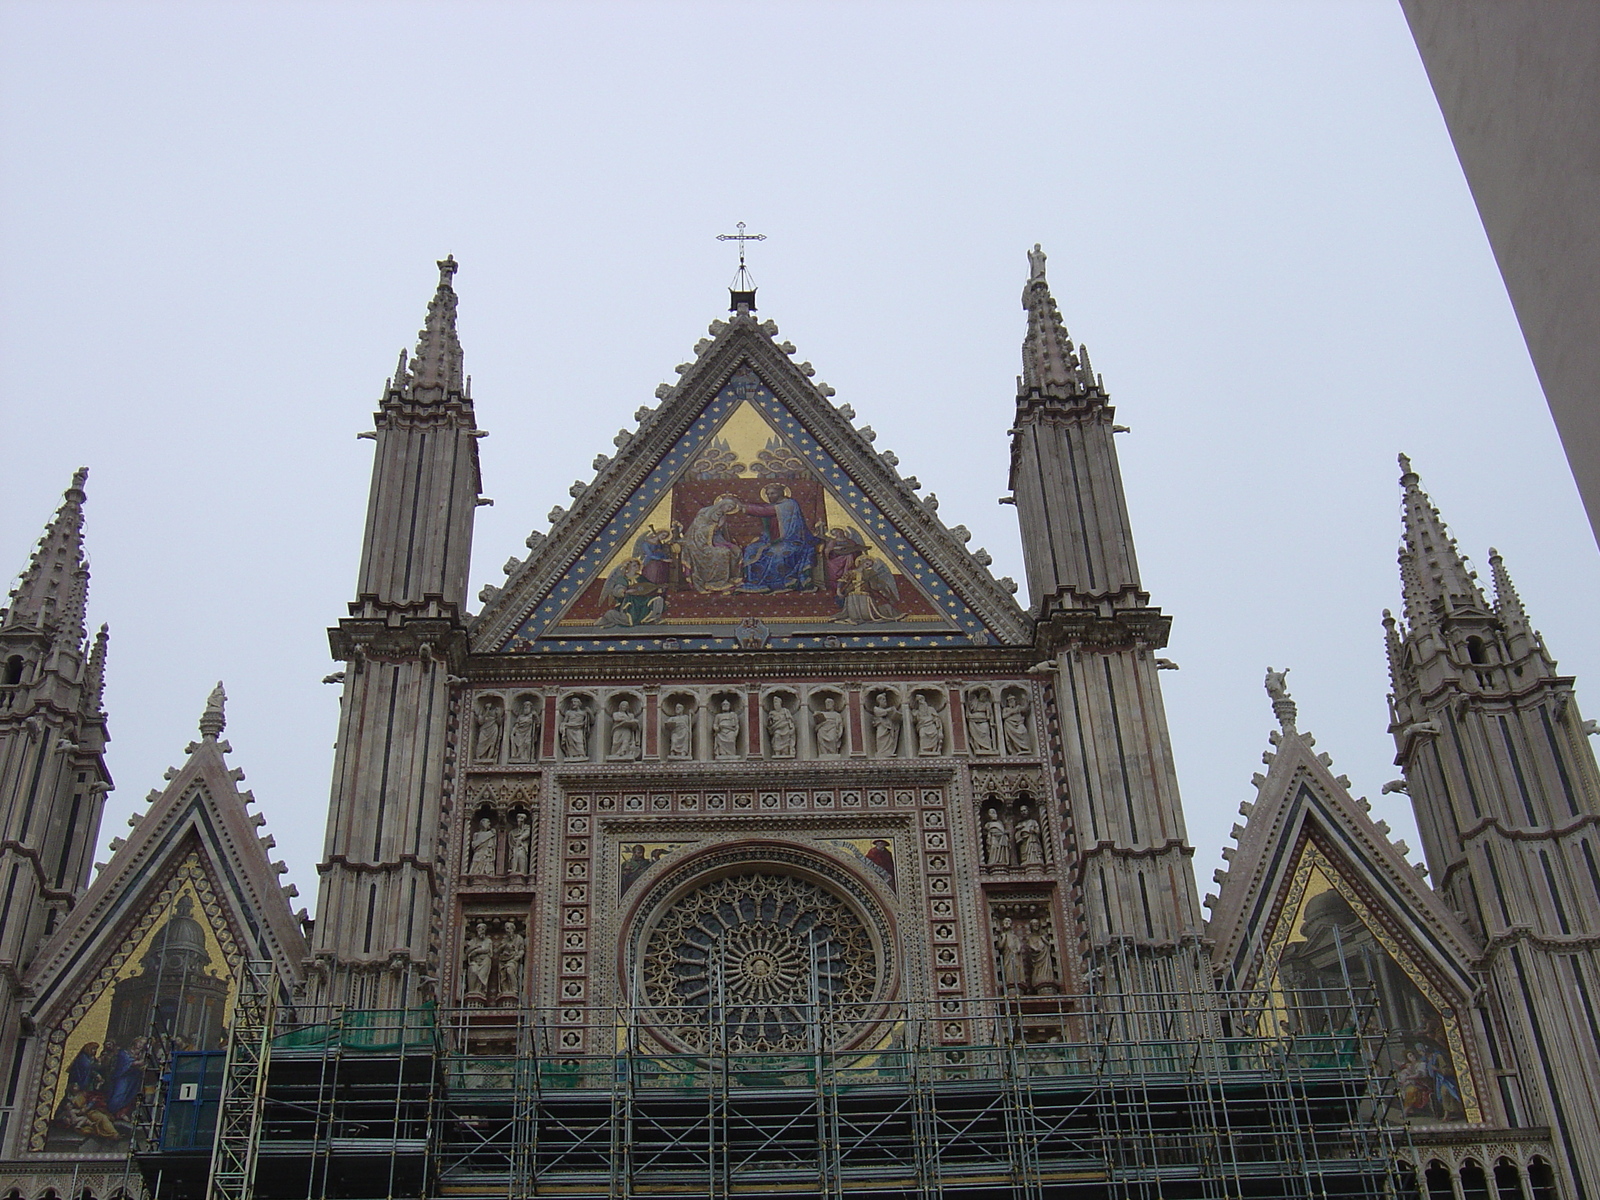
(777, 858)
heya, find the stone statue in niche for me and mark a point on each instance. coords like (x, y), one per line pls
(513, 954)
(525, 731)
(781, 730)
(481, 847)
(1011, 946)
(885, 726)
(486, 743)
(980, 724)
(1014, 721)
(1030, 839)
(830, 729)
(680, 732)
(996, 840)
(624, 732)
(479, 960)
(519, 844)
(575, 725)
(725, 732)
(1041, 959)
(929, 725)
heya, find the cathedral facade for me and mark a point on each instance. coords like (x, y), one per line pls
(751, 759)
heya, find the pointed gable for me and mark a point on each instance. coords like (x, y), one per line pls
(192, 882)
(747, 510)
(1317, 898)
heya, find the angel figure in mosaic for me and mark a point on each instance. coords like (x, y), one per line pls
(709, 558)
(634, 599)
(840, 549)
(868, 593)
(657, 552)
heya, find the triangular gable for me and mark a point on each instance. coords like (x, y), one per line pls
(748, 511)
(192, 884)
(1316, 895)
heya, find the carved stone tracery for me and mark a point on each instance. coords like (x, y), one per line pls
(743, 956)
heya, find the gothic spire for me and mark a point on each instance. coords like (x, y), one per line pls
(94, 674)
(53, 591)
(436, 366)
(1507, 604)
(1444, 583)
(1050, 365)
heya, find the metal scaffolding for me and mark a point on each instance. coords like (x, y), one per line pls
(1040, 1098)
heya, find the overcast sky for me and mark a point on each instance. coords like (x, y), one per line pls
(220, 221)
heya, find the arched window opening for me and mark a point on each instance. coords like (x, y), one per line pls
(1476, 652)
(1508, 1180)
(1438, 1180)
(1541, 1180)
(1474, 1183)
(13, 672)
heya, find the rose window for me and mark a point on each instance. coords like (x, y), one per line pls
(755, 961)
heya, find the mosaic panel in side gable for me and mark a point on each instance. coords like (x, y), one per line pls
(166, 988)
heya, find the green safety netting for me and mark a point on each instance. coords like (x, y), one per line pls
(376, 1029)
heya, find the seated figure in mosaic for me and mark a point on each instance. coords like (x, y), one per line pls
(784, 552)
(709, 558)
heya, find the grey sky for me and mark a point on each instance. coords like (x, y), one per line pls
(219, 225)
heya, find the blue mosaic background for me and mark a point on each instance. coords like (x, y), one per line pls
(536, 633)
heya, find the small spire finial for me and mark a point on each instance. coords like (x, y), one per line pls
(214, 719)
(1405, 467)
(447, 269)
(1283, 707)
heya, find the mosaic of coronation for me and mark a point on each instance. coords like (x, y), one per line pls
(748, 527)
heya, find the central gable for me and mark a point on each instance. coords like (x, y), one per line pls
(748, 513)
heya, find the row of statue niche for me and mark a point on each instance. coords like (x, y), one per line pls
(1017, 843)
(575, 728)
(888, 716)
(489, 724)
(493, 966)
(1013, 732)
(483, 844)
(1025, 949)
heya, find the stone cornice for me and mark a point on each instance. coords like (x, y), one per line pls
(1105, 629)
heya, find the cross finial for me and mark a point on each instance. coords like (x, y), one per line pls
(743, 288)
